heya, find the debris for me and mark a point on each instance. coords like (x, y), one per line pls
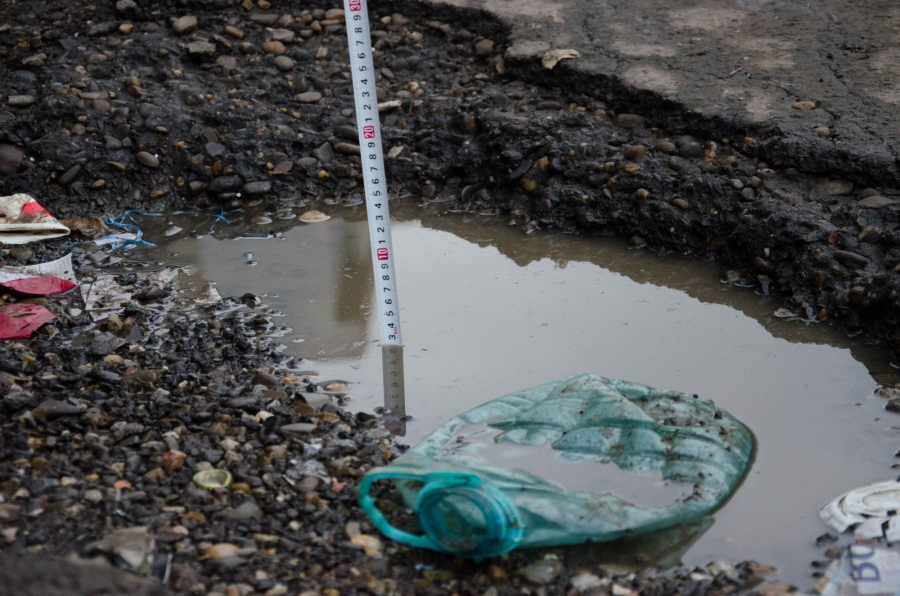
(212, 479)
(870, 506)
(133, 546)
(553, 57)
(110, 293)
(39, 286)
(23, 220)
(314, 217)
(19, 321)
(61, 268)
(585, 418)
(89, 227)
(863, 570)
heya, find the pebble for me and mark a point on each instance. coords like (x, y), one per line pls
(93, 495)
(273, 47)
(214, 149)
(10, 158)
(308, 97)
(256, 188)
(877, 202)
(541, 573)
(666, 146)
(284, 64)
(298, 428)
(630, 121)
(201, 48)
(248, 510)
(234, 32)
(347, 148)
(126, 28)
(681, 204)
(804, 105)
(224, 184)
(147, 159)
(282, 35)
(20, 100)
(334, 14)
(184, 24)
(69, 176)
(485, 47)
(635, 152)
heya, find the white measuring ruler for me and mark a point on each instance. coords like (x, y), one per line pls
(374, 175)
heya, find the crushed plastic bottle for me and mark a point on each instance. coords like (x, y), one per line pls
(469, 508)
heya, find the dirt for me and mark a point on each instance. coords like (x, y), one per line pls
(105, 107)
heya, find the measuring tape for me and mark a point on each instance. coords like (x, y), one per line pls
(368, 125)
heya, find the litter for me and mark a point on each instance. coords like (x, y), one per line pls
(863, 571)
(19, 321)
(553, 57)
(469, 508)
(132, 237)
(23, 220)
(61, 268)
(871, 506)
(314, 217)
(108, 294)
(132, 548)
(39, 286)
(212, 479)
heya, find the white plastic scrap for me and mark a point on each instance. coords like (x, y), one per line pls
(61, 268)
(23, 220)
(553, 57)
(865, 505)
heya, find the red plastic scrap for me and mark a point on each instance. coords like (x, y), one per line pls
(39, 286)
(19, 321)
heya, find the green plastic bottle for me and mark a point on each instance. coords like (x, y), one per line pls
(470, 508)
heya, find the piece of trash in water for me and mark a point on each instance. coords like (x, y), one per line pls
(553, 57)
(863, 570)
(110, 293)
(23, 220)
(783, 313)
(61, 268)
(19, 321)
(128, 547)
(172, 231)
(261, 220)
(470, 508)
(314, 217)
(213, 479)
(207, 295)
(873, 507)
(38, 286)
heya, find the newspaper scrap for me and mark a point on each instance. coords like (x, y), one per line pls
(107, 294)
(864, 570)
(23, 220)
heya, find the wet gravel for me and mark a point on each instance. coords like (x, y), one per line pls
(125, 104)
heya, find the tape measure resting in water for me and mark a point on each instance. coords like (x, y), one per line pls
(371, 157)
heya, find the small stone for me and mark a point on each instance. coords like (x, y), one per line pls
(630, 121)
(273, 47)
(20, 100)
(248, 510)
(635, 152)
(10, 158)
(735, 184)
(641, 194)
(666, 147)
(869, 235)
(877, 202)
(93, 495)
(234, 32)
(283, 35)
(35, 60)
(308, 97)
(371, 545)
(347, 148)
(850, 258)
(804, 105)
(214, 149)
(184, 24)
(247, 48)
(222, 550)
(284, 64)
(298, 428)
(201, 48)
(224, 184)
(334, 14)
(485, 47)
(69, 175)
(823, 131)
(681, 204)
(542, 572)
(257, 188)
(20, 253)
(147, 159)
(126, 28)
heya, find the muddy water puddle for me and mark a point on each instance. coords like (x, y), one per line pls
(488, 310)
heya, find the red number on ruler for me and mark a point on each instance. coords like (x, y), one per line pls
(355, 5)
(369, 132)
(382, 254)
